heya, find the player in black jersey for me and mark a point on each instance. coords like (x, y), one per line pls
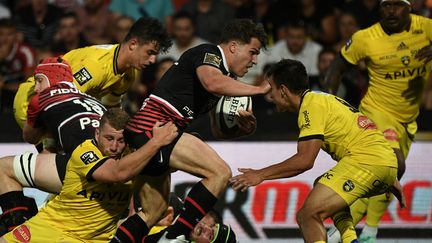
(58, 109)
(188, 90)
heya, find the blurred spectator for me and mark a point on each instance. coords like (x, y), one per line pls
(210, 17)
(297, 46)
(122, 24)
(365, 11)
(4, 12)
(347, 25)
(319, 20)
(325, 57)
(184, 36)
(17, 62)
(68, 36)
(96, 21)
(66, 5)
(159, 9)
(38, 22)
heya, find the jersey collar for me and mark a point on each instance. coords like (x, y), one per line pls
(303, 95)
(116, 52)
(224, 60)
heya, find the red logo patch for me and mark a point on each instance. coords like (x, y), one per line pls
(22, 233)
(365, 122)
(391, 135)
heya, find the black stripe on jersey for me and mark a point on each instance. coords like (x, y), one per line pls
(116, 52)
(89, 175)
(29, 169)
(317, 136)
(24, 172)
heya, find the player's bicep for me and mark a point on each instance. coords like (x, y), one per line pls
(308, 149)
(207, 75)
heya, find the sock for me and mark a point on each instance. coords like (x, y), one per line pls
(343, 222)
(369, 231)
(377, 207)
(134, 229)
(358, 209)
(16, 208)
(333, 235)
(196, 205)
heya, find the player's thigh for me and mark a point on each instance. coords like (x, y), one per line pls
(324, 201)
(194, 156)
(46, 173)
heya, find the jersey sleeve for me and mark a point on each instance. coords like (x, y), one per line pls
(208, 56)
(89, 75)
(86, 158)
(22, 99)
(311, 121)
(33, 111)
(355, 48)
(427, 27)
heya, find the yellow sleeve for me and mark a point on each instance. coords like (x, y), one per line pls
(22, 99)
(355, 48)
(86, 158)
(312, 120)
(428, 28)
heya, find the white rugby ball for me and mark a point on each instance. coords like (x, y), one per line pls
(227, 112)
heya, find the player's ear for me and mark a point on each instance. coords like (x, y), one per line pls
(232, 46)
(133, 44)
(97, 132)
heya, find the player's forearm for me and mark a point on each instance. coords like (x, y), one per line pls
(286, 169)
(32, 135)
(224, 85)
(133, 163)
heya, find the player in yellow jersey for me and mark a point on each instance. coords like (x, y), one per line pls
(366, 163)
(107, 71)
(397, 52)
(96, 189)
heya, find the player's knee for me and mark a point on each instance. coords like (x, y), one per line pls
(222, 174)
(24, 167)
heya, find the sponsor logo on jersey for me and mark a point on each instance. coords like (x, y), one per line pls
(89, 157)
(22, 233)
(391, 134)
(113, 196)
(406, 73)
(402, 46)
(366, 123)
(417, 32)
(212, 59)
(348, 186)
(306, 120)
(405, 60)
(82, 76)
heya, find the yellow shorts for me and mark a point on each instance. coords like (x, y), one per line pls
(352, 181)
(399, 135)
(36, 232)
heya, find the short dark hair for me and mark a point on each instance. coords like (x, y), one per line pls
(7, 23)
(290, 73)
(147, 30)
(116, 117)
(243, 30)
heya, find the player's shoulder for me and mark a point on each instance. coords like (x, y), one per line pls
(87, 152)
(205, 48)
(419, 22)
(91, 53)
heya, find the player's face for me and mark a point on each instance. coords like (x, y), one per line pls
(145, 55)
(394, 15)
(279, 98)
(41, 83)
(110, 141)
(204, 231)
(245, 56)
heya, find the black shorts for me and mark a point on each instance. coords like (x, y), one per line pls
(159, 163)
(61, 163)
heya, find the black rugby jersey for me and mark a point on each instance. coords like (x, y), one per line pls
(179, 96)
(69, 114)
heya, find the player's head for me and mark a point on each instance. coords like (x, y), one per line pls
(145, 39)
(395, 15)
(224, 234)
(288, 80)
(242, 40)
(109, 135)
(206, 230)
(51, 71)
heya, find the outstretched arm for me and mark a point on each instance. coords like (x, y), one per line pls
(132, 164)
(302, 161)
(215, 82)
(334, 74)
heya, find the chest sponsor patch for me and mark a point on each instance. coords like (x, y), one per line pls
(89, 157)
(212, 59)
(82, 76)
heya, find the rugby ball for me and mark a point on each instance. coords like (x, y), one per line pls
(227, 112)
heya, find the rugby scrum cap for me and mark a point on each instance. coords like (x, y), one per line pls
(405, 1)
(224, 234)
(55, 69)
